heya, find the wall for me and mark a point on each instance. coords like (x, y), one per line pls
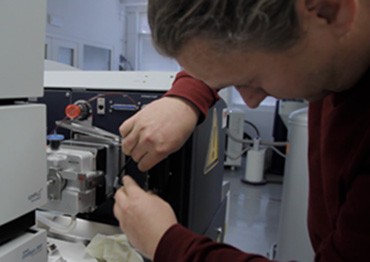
(135, 2)
(138, 48)
(92, 22)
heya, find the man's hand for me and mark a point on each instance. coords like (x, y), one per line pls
(142, 216)
(158, 130)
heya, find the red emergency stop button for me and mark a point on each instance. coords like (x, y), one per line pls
(72, 111)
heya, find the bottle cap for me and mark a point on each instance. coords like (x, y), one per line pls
(55, 140)
(55, 137)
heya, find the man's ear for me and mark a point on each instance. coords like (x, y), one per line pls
(339, 14)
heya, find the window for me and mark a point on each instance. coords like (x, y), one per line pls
(96, 58)
(140, 51)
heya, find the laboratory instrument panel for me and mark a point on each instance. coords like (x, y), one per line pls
(84, 163)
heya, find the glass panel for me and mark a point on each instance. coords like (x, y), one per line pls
(150, 59)
(65, 55)
(143, 23)
(96, 58)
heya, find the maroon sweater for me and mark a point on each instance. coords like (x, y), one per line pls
(194, 91)
(339, 196)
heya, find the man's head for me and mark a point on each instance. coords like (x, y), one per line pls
(288, 49)
(269, 24)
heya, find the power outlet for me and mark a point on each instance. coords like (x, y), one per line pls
(100, 106)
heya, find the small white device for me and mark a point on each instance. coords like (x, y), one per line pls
(234, 149)
(255, 166)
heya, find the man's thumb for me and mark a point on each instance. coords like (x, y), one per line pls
(128, 182)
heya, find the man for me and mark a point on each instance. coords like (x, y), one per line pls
(313, 49)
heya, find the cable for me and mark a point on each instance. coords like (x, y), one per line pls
(277, 151)
(278, 143)
(243, 141)
(58, 125)
(238, 156)
(248, 141)
(118, 180)
(111, 94)
(48, 219)
(254, 127)
(124, 166)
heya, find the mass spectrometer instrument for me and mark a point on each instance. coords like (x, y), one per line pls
(87, 108)
(22, 150)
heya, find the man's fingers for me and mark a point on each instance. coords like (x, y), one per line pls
(149, 160)
(138, 152)
(126, 127)
(117, 211)
(129, 143)
(129, 136)
(120, 199)
(129, 183)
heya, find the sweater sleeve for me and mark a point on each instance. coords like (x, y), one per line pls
(182, 245)
(195, 91)
(350, 241)
(339, 161)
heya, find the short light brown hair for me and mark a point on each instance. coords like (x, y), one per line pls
(267, 24)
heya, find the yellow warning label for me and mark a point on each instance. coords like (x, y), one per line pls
(212, 155)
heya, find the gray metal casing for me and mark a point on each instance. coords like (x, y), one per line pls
(23, 160)
(29, 247)
(23, 129)
(22, 27)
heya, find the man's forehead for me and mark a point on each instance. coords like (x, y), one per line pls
(197, 48)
